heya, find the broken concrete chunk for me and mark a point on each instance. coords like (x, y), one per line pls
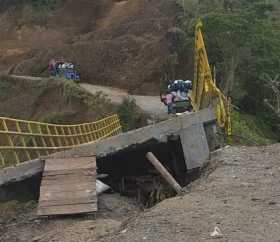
(101, 187)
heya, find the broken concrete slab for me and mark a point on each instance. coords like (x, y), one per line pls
(158, 132)
(20, 172)
(195, 146)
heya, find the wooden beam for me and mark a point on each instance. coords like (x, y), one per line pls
(165, 174)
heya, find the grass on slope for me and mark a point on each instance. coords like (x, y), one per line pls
(250, 130)
(51, 100)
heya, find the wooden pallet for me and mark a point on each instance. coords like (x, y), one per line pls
(68, 187)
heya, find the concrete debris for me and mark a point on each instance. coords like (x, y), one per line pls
(217, 233)
(101, 187)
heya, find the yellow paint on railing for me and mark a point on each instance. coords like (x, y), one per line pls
(205, 93)
(22, 140)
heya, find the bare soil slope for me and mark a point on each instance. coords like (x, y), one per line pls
(117, 43)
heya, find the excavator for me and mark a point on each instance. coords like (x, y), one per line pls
(204, 93)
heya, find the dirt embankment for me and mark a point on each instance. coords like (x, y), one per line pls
(238, 193)
(118, 43)
(240, 197)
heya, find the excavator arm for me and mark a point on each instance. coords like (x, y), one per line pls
(204, 92)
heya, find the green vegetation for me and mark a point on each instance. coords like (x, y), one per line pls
(35, 11)
(38, 4)
(40, 10)
(242, 40)
(57, 117)
(127, 113)
(51, 100)
(250, 130)
(130, 115)
(44, 4)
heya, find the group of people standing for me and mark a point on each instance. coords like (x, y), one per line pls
(177, 92)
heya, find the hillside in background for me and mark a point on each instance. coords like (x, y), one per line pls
(138, 45)
(117, 43)
(51, 100)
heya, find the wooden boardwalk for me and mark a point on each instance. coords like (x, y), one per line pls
(68, 187)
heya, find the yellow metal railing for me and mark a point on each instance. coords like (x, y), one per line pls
(205, 93)
(22, 140)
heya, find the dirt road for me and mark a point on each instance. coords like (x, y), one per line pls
(149, 104)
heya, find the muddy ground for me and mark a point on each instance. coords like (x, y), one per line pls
(238, 192)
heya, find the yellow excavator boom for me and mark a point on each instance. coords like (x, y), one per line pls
(205, 93)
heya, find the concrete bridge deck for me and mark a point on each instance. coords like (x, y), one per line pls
(189, 127)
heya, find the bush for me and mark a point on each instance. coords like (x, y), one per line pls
(130, 115)
(44, 4)
(250, 130)
(57, 117)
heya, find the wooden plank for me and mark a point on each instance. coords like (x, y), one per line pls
(67, 182)
(74, 188)
(66, 195)
(74, 201)
(86, 175)
(68, 187)
(67, 209)
(67, 172)
(77, 160)
(70, 164)
(73, 180)
(59, 167)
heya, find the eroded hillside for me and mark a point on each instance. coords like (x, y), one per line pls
(117, 43)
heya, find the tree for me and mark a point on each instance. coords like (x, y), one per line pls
(242, 41)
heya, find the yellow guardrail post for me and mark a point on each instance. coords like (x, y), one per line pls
(2, 159)
(10, 141)
(35, 138)
(34, 143)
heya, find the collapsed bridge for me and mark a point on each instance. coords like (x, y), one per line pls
(182, 143)
(196, 132)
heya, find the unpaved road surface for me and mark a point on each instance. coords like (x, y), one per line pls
(150, 104)
(239, 192)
